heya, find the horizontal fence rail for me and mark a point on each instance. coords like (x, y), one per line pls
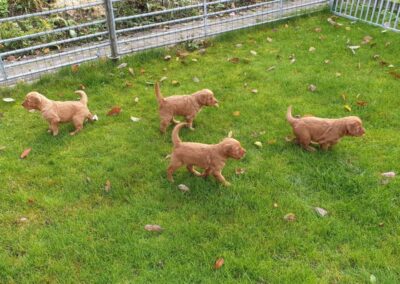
(90, 29)
(383, 13)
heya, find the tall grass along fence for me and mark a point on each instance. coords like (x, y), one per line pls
(38, 36)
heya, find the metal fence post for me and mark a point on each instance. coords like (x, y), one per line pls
(205, 17)
(2, 69)
(281, 10)
(111, 30)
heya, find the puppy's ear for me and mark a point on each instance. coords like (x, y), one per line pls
(227, 148)
(353, 128)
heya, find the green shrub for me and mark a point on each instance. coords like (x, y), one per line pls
(3, 8)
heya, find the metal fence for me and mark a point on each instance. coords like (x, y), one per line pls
(384, 13)
(70, 32)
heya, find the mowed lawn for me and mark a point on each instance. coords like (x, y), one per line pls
(75, 231)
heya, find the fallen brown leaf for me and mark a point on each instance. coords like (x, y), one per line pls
(153, 228)
(218, 263)
(236, 113)
(114, 111)
(234, 60)
(82, 87)
(362, 103)
(290, 217)
(394, 74)
(75, 68)
(240, 171)
(25, 153)
(107, 186)
(367, 39)
(142, 71)
(130, 70)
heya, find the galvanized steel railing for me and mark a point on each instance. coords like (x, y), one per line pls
(383, 13)
(115, 35)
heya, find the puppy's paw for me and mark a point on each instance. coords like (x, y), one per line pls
(226, 183)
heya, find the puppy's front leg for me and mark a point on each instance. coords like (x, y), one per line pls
(54, 127)
(189, 120)
(218, 175)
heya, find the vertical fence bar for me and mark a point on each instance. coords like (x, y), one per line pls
(2, 69)
(205, 17)
(397, 17)
(111, 29)
(386, 9)
(281, 9)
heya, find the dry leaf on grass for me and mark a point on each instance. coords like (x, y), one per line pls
(270, 68)
(321, 211)
(258, 144)
(153, 228)
(107, 186)
(362, 103)
(312, 49)
(122, 65)
(236, 113)
(75, 68)
(312, 88)
(8, 100)
(240, 171)
(290, 138)
(183, 188)
(163, 79)
(234, 60)
(114, 111)
(196, 80)
(130, 70)
(389, 174)
(142, 71)
(290, 217)
(218, 263)
(269, 39)
(347, 107)
(135, 119)
(317, 30)
(395, 75)
(254, 91)
(167, 57)
(253, 52)
(230, 134)
(175, 83)
(367, 39)
(25, 153)
(276, 205)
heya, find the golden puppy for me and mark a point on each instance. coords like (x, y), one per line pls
(209, 157)
(59, 112)
(323, 131)
(187, 106)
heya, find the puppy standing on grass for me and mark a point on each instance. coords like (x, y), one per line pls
(187, 106)
(323, 131)
(209, 157)
(59, 112)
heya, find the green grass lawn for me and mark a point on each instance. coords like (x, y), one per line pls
(77, 232)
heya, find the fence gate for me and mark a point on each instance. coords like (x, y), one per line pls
(383, 13)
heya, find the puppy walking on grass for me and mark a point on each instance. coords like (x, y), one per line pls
(187, 106)
(56, 112)
(323, 131)
(209, 157)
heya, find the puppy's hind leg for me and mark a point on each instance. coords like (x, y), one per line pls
(193, 171)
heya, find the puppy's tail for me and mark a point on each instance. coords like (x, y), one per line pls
(176, 140)
(160, 98)
(84, 98)
(289, 116)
